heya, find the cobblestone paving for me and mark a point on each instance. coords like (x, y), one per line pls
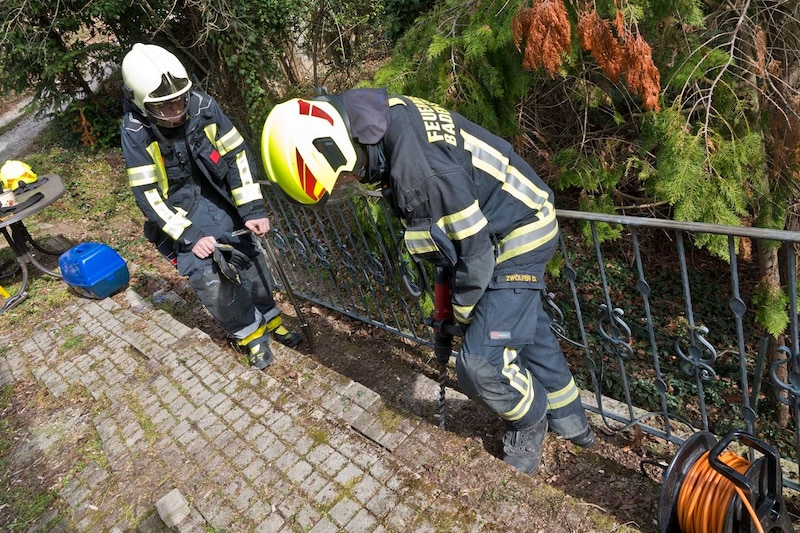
(303, 449)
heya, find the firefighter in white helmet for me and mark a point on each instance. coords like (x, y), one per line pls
(470, 203)
(193, 176)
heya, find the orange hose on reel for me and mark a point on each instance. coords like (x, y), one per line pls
(706, 495)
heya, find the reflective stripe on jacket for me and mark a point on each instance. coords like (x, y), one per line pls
(219, 155)
(468, 200)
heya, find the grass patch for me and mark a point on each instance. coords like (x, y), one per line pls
(75, 342)
(389, 418)
(44, 294)
(319, 436)
(148, 427)
(23, 501)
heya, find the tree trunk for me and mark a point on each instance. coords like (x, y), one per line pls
(779, 61)
(768, 266)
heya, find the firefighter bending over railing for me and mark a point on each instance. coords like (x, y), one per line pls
(470, 204)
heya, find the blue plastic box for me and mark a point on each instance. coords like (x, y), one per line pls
(93, 269)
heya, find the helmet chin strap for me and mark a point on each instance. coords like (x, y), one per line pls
(376, 169)
(166, 144)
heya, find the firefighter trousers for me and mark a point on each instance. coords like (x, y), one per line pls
(242, 305)
(510, 362)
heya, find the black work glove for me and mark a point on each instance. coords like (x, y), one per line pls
(226, 256)
(454, 327)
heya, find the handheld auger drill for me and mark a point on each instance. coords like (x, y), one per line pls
(444, 329)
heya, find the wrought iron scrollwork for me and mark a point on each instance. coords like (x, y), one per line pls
(375, 268)
(279, 240)
(556, 315)
(615, 332)
(410, 277)
(792, 388)
(321, 252)
(696, 354)
(557, 321)
(347, 260)
(299, 247)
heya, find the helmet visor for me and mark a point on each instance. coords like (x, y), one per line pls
(169, 113)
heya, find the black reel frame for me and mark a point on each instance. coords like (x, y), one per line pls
(762, 484)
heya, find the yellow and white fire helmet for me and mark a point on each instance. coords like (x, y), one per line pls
(14, 173)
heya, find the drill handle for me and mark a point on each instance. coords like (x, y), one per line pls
(442, 296)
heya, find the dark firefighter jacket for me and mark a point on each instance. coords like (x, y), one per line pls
(467, 199)
(157, 172)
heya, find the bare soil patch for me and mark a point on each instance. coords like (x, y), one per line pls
(45, 439)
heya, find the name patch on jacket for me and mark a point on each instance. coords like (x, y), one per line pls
(437, 120)
(525, 278)
(517, 280)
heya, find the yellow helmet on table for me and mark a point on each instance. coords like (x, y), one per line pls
(14, 173)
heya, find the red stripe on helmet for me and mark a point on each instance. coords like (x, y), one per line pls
(306, 108)
(307, 180)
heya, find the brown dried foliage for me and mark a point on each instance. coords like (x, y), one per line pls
(547, 34)
(596, 37)
(760, 45)
(84, 129)
(623, 53)
(641, 74)
(545, 30)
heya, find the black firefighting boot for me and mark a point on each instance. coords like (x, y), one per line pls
(585, 439)
(257, 346)
(522, 448)
(281, 334)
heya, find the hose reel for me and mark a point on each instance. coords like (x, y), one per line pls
(709, 489)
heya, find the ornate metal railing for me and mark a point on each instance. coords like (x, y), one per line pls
(660, 334)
